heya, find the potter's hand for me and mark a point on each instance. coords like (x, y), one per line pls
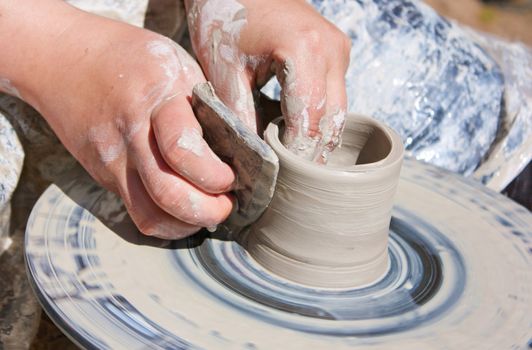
(117, 97)
(241, 43)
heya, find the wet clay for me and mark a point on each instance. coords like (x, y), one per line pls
(459, 277)
(327, 226)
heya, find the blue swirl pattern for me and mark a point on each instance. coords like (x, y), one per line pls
(459, 277)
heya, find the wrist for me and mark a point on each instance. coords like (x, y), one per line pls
(30, 34)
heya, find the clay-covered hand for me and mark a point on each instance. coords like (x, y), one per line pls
(118, 98)
(241, 43)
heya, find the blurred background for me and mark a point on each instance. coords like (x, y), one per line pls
(509, 19)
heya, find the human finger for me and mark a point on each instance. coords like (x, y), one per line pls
(174, 194)
(303, 97)
(181, 144)
(234, 87)
(149, 218)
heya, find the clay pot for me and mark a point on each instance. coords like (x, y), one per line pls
(327, 226)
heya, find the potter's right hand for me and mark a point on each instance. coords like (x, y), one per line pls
(118, 98)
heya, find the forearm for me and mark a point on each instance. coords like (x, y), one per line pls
(30, 37)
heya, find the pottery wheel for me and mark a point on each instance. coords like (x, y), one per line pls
(460, 277)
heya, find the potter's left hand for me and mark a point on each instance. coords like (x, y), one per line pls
(241, 44)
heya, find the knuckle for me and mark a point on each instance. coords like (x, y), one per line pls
(340, 40)
(177, 156)
(310, 40)
(342, 43)
(167, 142)
(345, 43)
(181, 204)
(166, 197)
(159, 194)
(171, 153)
(141, 91)
(315, 40)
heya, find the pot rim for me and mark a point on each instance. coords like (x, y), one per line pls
(308, 167)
